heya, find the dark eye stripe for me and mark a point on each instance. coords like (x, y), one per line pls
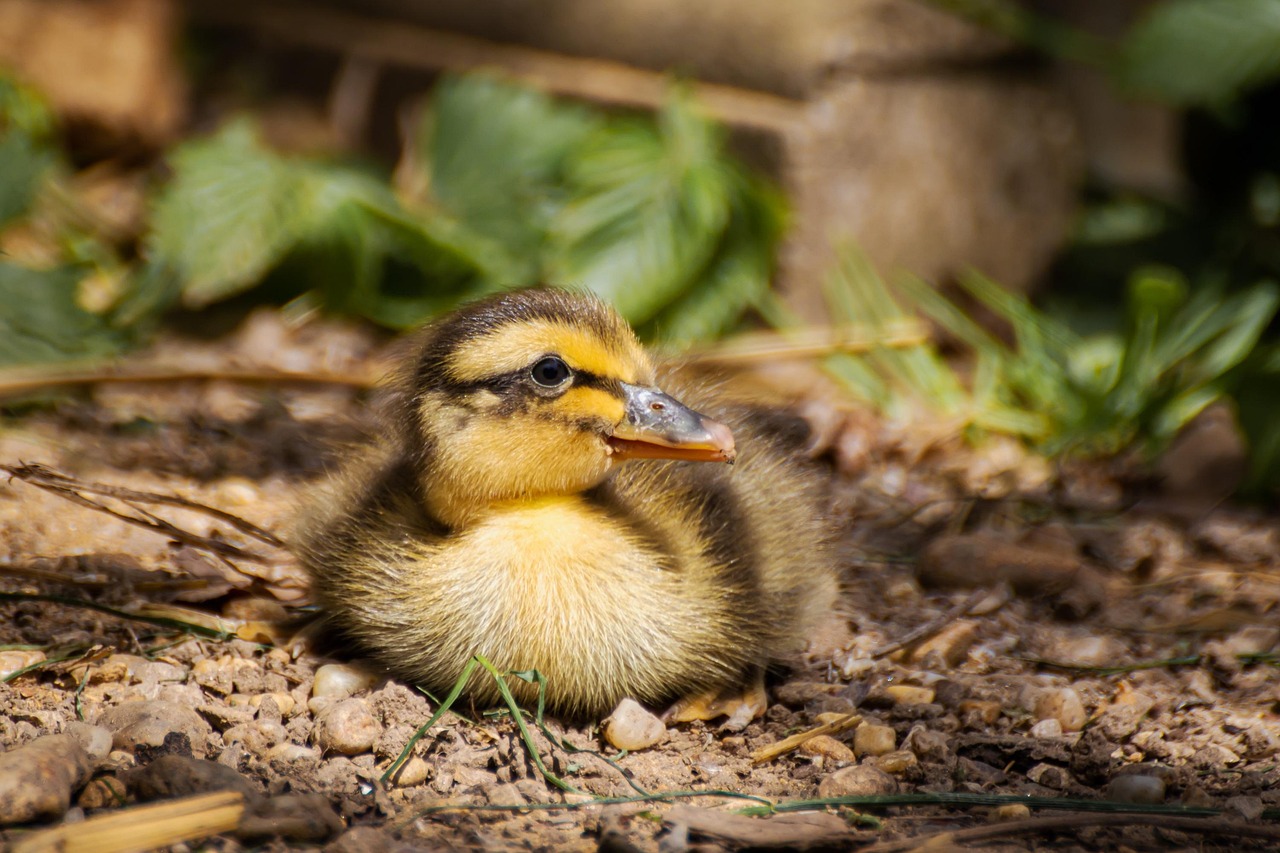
(506, 384)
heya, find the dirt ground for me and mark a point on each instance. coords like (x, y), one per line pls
(1020, 631)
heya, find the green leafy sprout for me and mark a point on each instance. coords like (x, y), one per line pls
(1060, 391)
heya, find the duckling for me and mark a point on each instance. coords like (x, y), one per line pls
(542, 496)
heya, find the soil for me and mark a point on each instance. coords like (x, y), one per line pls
(1016, 629)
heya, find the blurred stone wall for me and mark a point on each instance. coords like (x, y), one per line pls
(922, 139)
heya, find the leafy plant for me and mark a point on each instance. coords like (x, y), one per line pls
(650, 214)
(1063, 392)
(236, 212)
(502, 187)
(42, 321)
(1183, 52)
(1201, 52)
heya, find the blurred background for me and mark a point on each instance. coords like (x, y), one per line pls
(1052, 222)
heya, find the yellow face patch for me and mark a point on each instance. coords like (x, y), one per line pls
(582, 402)
(517, 345)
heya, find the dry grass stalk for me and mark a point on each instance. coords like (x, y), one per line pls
(782, 747)
(812, 343)
(141, 827)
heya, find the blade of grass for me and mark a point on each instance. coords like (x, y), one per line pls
(524, 729)
(454, 693)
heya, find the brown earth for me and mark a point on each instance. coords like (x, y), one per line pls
(1016, 632)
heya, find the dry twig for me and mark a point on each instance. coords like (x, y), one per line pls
(930, 628)
(74, 490)
(782, 747)
(141, 827)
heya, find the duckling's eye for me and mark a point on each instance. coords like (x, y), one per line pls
(550, 372)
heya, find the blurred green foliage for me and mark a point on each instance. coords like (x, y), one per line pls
(1183, 52)
(1137, 385)
(502, 187)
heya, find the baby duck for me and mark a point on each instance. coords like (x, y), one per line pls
(500, 514)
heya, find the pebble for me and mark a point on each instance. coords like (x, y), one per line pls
(213, 674)
(951, 645)
(346, 727)
(929, 745)
(1137, 789)
(15, 659)
(340, 680)
(859, 781)
(897, 762)
(631, 727)
(1121, 718)
(907, 694)
(102, 793)
(1062, 704)
(258, 737)
(36, 780)
(172, 776)
(828, 748)
(1249, 808)
(1047, 728)
(986, 711)
(1012, 811)
(412, 772)
(292, 752)
(95, 739)
(871, 739)
(284, 702)
(137, 669)
(1090, 651)
(147, 722)
(1049, 775)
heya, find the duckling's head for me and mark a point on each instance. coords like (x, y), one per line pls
(537, 393)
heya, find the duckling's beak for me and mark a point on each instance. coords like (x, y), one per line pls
(658, 426)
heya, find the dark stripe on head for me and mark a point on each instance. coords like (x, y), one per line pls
(487, 316)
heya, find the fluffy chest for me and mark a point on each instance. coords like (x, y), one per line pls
(550, 557)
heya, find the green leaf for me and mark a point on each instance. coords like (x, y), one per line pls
(22, 109)
(23, 165)
(647, 211)
(1202, 52)
(1247, 316)
(231, 213)
(237, 212)
(495, 155)
(40, 321)
(736, 279)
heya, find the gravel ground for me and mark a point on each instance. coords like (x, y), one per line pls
(1016, 632)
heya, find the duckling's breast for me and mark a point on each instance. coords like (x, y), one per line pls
(559, 585)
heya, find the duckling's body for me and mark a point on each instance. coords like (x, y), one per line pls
(652, 579)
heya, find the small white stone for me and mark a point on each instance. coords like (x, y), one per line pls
(347, 728)
(340, 680)
(1136, 788)
(292, 752)
(1047, 728)
(95, 739)
(16, 659)
(632, 727)
(1062, 704)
